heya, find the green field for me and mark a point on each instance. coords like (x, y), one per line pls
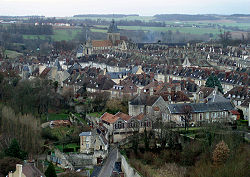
(191, 30)
(129, 18)
(59, 35)
(12, 54)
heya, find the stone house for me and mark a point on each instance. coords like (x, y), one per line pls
(245, 107)
(146, 104)
(238, 95)
(26, 170)
(94, 143)
(199, 112)
(121, 125)
(125, 88)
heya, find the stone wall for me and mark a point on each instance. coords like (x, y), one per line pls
(127, 169)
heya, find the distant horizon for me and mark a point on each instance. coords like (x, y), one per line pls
(128, 14)
(65, 8)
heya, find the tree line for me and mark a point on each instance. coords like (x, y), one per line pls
(27, 29)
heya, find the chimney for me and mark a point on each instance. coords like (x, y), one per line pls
(215, 90)
(19, 169)
(248, 115)
(151, 91)
(170, 80)
(152, 76)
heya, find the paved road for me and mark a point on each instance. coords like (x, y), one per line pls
(109, 164)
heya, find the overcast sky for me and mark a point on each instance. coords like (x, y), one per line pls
(142, 7)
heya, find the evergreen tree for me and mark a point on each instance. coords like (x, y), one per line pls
(50, 172)
(213, 81)
(146, 139)
(14, 150)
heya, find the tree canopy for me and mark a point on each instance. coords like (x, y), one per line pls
(213, 81)
(50, 172)
(14, 150)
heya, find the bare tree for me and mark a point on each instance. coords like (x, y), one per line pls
(187, 110)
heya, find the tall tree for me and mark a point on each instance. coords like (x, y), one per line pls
(50, 172)
(213, 81)
(14, 150)
(225, 38)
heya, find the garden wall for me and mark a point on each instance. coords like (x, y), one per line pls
(127, 169)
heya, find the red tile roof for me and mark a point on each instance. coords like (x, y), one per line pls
(103, 43)
(110, 118)
(235, 112)
(123, 116)
(139, 117)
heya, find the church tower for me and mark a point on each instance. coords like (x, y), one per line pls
(113, 32)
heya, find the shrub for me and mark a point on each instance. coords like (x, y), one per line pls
(68, 150)
(220, 153)
(148, 157)
(190, 152)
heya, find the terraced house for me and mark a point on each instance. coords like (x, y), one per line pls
(120, 125)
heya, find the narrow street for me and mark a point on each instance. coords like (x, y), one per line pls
(108, 166)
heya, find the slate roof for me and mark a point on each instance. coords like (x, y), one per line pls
(117, 75)
(85, 134)
(206, 91)
(201, 107)
(113, 27)
(246, 103)
(31, 171)
(101, 83)
(144, 99)
(217, 97)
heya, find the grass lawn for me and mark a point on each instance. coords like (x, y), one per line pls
(62, 132)
(58, 169)
(71, 145)
(95, 114)
(54, 116)
(12, 54)
(81, 119)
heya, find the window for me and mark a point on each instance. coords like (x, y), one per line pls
(87, 146)
(120, 125)
(100, 147)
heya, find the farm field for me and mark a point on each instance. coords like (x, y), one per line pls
(59, 35)
(129, 18)
(191, 30)
(12, 54)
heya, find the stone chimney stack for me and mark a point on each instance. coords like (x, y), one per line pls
(151, 91)
(19, 169)
(249, 115)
